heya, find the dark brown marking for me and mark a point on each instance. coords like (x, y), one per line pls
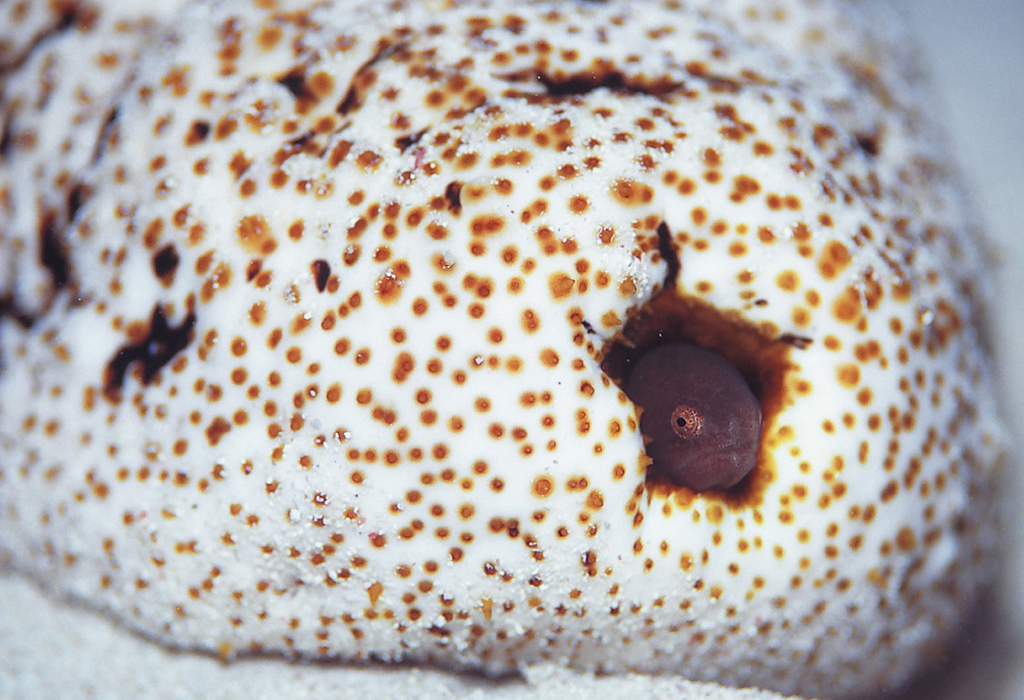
(353, 99)
(165, 264)
(295, 82)
(71, 16)
(197, 132)
(321, 273)
(797, 341)
(669, 255)
(254, 268)
(108, 133)
(7, 133)
(869, 143)
(53, 253)
(76, 198)
(453, 193)
(403, 143)
(578, 84)
(152, 353)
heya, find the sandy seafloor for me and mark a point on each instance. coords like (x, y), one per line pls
(975, 49)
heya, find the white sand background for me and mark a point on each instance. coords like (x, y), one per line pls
(976, 52)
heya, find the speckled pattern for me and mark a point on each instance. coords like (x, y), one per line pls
(92, 659)
(314, 333)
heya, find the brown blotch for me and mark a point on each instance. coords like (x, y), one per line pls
(159, 346)
(404, 143)
(797, 341)
(253, 269)
(871, 144)
(453, 194)
(601, 75)
(197, 133)
(321, 273)
(53, 252)
(295, 82)
(670, 255)
(165, 264)
(365, 77)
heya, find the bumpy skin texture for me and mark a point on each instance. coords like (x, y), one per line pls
(314, 337)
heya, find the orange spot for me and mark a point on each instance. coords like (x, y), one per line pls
(549, 357)
(404, 365)
(487, 225)
(848, 375)
(834, 259)
(369, 160)
(611, 320)
(530, 321)
(220, 279)
(788, 281)
(847, 308)
(389, 285)
(374, 592)
(890, 491)
(901, 290)
(561, 285)
(254, 233)
(631, 193)
(906, 540)
(743, 187)
(216, 430)
(543, 486)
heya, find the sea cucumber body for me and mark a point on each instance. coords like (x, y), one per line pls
(320, 357)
